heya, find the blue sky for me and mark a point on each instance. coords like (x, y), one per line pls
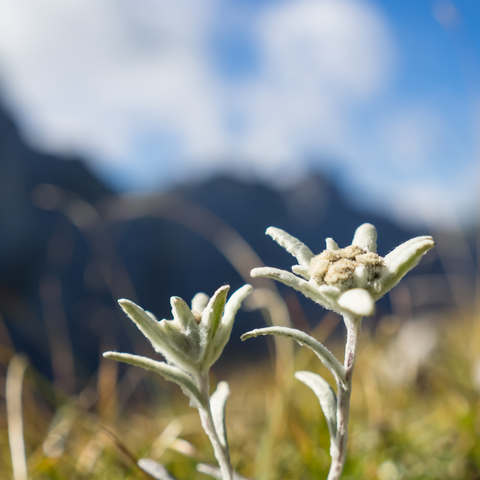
(383, 95)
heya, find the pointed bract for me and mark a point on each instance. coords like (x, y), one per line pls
(216, 346)
(145, 322)
(331, 244)
(289, 279)
(401, 260)
(291, 244)
(360, 275)
(366, 237)
(169, 372)
(332, 293)
(358, 301)
(155, 332)
(212, 315)
(185, 346)
(183, 315)
(301, 270)
(199, 302)
(234, 303)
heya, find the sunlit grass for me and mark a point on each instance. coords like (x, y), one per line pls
(425, 427)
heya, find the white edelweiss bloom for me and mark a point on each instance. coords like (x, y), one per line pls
(346, 280)
(196, 337)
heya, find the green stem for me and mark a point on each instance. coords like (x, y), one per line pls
(338, 448)
(221, 451)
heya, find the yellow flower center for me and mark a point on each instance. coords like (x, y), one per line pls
(337, 267)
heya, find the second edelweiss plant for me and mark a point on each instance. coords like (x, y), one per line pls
(191, 343)
(348, 281)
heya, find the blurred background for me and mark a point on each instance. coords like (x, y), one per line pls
(146, 146)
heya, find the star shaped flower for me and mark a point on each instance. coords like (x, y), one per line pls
(191, 342)
(346, 280)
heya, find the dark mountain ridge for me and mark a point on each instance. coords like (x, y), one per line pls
(64, 259)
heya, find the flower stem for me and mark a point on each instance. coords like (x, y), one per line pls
(338, 448)
(221, 451)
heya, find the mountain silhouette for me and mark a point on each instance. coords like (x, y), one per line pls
(70, 246)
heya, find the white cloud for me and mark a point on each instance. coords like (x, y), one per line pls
(88, 74)
(98, 77)
(339, 46)
(320, 58)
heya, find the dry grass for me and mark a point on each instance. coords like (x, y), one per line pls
(422, 422)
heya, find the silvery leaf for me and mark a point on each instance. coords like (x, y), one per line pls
(292, 245)
(152, 329)
(184, 316)
(366, 237)
(401, 260)
(215, 348)
(199, 302)
(154, 469)
(326, 396)
(357, 301)
(169, 372)
(184, 346)
(233, 304)
(331, 244)
(360, 276)
(218, 402)
(332, 293)
(322, 352)
(293, 281)
(145, 322)
(301, 270)
(212, 314)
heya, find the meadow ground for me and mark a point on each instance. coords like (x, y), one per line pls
(415, 414)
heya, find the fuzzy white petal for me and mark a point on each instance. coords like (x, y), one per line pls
(199, 302)
(329, 291)
(357, 301)
(331, 244)
(301, 270)
(309, 290)
(401, 260)
(366, 237)
(292, 245)
(360, 276)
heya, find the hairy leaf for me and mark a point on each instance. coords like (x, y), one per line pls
(326, 396)
(154, 469)
(322, 352)
(169, 372)
(292, 245)
(218, 402)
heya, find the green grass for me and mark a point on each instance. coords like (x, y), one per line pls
(427, 427)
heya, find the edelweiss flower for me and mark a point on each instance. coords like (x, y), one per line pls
(346, 280)
(191, 343)
(195, 338)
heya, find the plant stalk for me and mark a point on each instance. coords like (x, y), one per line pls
(221, 451)
(338, 448)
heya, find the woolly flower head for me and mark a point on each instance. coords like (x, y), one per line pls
(196, 336)
(346, 280)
